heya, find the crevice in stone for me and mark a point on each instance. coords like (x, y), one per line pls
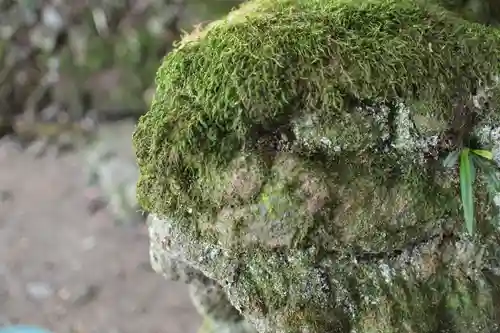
(461, 125)
(369, 257)
(268, 141)
(391, 121)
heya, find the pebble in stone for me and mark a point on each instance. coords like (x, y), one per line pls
(39, 290)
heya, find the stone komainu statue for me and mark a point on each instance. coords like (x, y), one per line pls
(292, 160)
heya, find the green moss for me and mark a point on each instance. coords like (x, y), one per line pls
(298, 57)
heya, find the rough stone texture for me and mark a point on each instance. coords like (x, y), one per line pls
(292, 155)
(207, 295)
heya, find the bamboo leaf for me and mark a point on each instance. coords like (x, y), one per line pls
(466, 190)
(472, 168)
(451, 159)
(483, 153)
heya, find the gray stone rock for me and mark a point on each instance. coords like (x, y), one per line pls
(207, 295)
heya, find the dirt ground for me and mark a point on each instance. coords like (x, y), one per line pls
(70, 271)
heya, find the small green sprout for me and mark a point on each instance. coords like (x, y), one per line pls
(468, 160)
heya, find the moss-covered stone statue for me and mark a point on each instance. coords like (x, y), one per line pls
(292, 160)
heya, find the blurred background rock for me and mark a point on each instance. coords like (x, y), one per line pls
(68, 67)
(74, 78)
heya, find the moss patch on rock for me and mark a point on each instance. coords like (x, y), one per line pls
(246, 85)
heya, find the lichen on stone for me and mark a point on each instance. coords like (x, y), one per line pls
(282, 155)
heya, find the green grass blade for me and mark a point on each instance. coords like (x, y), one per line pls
(472, 168)
(451, 159)
(483, 153)
(466, 191)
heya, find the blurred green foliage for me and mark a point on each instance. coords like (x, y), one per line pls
(483, 11)
(61, 59)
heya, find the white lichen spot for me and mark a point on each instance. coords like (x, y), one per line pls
(496, 200)
(214, 253)
(380, 116)
(307, 133)
(405, 141)
(489, 137)
(386, 272)
(325, 141)
(488, 134)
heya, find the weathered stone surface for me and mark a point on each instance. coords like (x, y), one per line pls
(292, 154)
(207, 295)
(441, 285)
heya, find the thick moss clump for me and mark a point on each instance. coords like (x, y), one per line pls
(242, 86)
